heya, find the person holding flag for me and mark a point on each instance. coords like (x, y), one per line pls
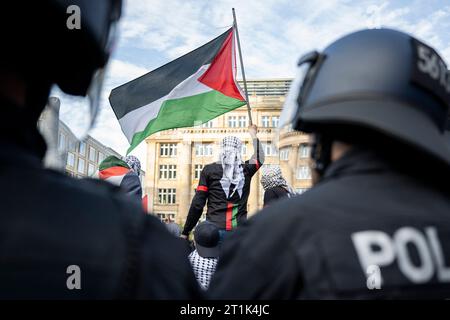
(225, 184)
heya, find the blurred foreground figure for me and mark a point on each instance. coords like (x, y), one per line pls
(377, 222)
(63, 238)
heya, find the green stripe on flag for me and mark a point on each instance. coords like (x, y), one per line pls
(187, 112)
(112, 161)
(234, 214)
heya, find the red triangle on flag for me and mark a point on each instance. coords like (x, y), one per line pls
(220, 75)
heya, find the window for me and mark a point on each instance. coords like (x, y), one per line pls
(164, 216)
(82, 148)
(232, 122)
(304, 150)
(270, 149)
(284, 154)
(62, 142)
(265, 121)
(167, 196)
(80, 166)
(197, 171)
(70, 159)
(275, 121)
(91, 169)
(101, 157)
(203, 149)
(92, 154)
(303, 173)
(167, 171)
(242, 122)
(208, 124)
(168, 150)
(300, 190)
(244, 150)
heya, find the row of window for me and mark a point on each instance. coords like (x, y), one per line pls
(207, 150)
(169, 171)
(81, 165)
(303, 152)
(242, 122)
(168, 195)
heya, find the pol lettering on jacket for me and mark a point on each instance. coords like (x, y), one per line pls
(378, 248)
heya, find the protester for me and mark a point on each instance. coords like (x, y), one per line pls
(374, 225)
(134, 164)
(206, 254)
(173, 227)
(275, 186)
(119, 173)
(65, 238)
(226, 186)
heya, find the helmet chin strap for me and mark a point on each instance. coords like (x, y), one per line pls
(321, 153)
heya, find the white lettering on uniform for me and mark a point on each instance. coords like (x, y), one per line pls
(443, 271)
(417, 274)
(365, 243)
(378, 248)
(431, 64)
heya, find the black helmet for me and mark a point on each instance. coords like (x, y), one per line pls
(382, 80)
(38, 42)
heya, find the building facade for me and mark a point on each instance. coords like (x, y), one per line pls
(81, 158)
(176, 157)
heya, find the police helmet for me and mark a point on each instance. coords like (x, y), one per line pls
(62, 44)
(380, 80)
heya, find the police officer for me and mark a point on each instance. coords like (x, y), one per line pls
(376, 224)
(60, 237)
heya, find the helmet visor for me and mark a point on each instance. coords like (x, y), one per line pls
(306, 65)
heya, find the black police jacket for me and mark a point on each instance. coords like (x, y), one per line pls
(365, 231)
(62, 238)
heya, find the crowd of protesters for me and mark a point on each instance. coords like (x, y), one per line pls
(373, 226)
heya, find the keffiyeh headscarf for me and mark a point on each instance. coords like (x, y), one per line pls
(134, 163)
(272, 177)
(231, 160)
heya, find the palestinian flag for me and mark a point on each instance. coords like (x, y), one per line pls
(113, 170)
(117, 172)
(188, 91)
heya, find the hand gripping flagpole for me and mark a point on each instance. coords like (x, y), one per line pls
(242, 67)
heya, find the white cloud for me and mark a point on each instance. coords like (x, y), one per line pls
(273, 35)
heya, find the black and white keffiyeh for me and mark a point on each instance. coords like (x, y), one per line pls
(134, 164)
(231, 160)
(272, 177)
(204, 268)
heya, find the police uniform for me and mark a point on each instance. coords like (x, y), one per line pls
(377, 225)
(322, 244)
(65, 238)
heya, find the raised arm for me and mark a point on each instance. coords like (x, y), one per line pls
(197, 205)
(257, 160)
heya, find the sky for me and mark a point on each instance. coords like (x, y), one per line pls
(273, 34)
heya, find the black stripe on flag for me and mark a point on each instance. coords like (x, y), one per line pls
(159, 82)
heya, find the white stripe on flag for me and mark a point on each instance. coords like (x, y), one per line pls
(137, 120)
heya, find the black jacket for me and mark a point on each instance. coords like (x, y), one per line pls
(323, 244)
(273, 194)
(49, 222)
(225, 212)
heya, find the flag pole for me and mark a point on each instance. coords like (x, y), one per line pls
(242, 66)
